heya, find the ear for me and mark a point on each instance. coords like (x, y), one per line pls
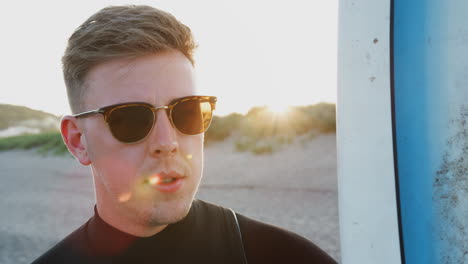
(74, 139)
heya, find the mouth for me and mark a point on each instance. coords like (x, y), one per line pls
(166, 182)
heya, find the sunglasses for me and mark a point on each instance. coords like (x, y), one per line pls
(132, 122)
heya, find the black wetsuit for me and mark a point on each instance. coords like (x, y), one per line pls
(208, 234)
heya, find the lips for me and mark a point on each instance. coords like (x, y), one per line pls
(167, 182)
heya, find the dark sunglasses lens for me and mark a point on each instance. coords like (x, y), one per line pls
(131, 123)
(192, 116)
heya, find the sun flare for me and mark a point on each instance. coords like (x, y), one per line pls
(153, 180)
(279, 109)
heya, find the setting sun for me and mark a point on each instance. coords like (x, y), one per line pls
(279, 109)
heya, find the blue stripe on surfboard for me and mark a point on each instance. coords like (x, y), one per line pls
(431, 112)
(415, 88)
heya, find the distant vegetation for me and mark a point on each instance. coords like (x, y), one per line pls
(260, 131)
(24, 117)
(47, 142)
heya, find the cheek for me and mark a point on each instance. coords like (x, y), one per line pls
(119, 171)
(98, 138)
(118, 161)
(113, 162)
(192, 148)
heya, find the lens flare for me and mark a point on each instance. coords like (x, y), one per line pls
(153, 180)
(125, 197)
(189, 156)
(279, 109)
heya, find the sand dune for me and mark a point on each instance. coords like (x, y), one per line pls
(45, 198)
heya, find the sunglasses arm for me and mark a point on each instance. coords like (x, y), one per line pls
(87, 113)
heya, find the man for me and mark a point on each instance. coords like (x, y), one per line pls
(139, 123)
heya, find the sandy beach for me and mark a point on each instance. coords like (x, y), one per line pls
(47, 197)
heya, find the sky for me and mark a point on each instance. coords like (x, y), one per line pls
(276, 53)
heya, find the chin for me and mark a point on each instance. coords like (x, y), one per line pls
(169, 212)
(156, 209)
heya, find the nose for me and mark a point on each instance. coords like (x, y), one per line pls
(163, 137)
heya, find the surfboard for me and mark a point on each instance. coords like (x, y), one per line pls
(402, 132)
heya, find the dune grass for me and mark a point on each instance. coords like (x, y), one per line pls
(44, 143)
(14, 115)
(262, 131)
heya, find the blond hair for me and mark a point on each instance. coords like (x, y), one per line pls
(120, 32)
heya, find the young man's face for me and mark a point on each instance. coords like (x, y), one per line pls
(125, 174)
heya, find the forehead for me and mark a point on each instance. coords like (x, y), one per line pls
(156, 79)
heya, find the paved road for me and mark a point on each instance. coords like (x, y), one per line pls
(45, 198)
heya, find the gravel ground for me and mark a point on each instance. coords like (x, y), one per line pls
(47, 197)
